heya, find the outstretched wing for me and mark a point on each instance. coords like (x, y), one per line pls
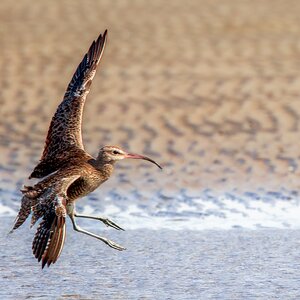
(47, 200)
(64, 134)
(65, 128)
(50, 235)
(39, 198)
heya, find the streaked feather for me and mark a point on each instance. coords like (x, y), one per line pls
(64, 140)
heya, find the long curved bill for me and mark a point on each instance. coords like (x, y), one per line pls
(138, 156)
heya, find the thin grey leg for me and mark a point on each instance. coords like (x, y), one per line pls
(103, 239)
(106, 221)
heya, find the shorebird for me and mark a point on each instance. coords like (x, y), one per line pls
(66, 170)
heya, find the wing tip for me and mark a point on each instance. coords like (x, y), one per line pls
(99, 44)
(94, 54)
(102, 35)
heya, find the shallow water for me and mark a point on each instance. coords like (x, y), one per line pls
(164, 264)
(208, 210)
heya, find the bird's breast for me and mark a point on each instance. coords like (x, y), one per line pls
(82, 187)
(91, 179)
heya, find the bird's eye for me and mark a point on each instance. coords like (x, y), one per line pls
(116, 152)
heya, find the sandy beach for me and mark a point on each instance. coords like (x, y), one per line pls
(208, 89)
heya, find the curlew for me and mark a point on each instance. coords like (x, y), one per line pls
(66, 170)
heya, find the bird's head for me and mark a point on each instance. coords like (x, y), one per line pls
(111, 154)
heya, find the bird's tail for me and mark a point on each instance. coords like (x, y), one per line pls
(49, 238)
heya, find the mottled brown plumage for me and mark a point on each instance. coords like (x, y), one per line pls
(68, 171)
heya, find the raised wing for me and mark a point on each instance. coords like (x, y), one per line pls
(64, 135)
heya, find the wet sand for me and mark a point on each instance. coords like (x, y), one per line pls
(209, 89)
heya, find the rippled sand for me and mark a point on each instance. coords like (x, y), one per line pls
(211, 90)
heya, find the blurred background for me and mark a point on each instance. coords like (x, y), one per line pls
(209, 89)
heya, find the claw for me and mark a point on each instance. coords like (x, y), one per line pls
(112, 224)
(115, 245)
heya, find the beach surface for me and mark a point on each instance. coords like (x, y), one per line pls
(208, 89)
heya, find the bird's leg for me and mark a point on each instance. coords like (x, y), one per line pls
(106, 221)
(70, 210)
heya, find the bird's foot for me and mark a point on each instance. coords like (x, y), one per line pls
(115, 245)
(104, 220)
(110, 223)
(101, 238)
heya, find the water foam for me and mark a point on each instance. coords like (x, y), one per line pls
(198, 214)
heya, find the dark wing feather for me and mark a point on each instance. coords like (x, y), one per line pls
(47, 200)
(24, 212)
(56, 242)
(50, 235)
(40, 240)
(42, 235)
(64, 139)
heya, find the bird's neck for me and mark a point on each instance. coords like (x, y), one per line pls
(103, 166)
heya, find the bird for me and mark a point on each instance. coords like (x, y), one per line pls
(66, 171)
